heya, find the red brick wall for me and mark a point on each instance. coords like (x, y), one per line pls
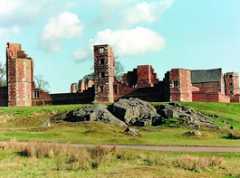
(41, 97)
(231, 84)
(209, 87)
(145, 76)
(210, 97)
(180, 85)
(19, 76)
(235, 99)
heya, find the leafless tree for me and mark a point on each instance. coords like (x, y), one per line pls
(41, 83)
(3, 75)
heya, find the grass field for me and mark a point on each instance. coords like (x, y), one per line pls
(27, 124)
(118, 164)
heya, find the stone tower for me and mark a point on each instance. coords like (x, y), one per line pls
(231, 84)
(19, 76)
(180, 85)
(104, 65)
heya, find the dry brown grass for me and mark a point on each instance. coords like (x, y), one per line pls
(67, 156)
(197, 163)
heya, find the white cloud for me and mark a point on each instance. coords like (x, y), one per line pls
(9, 31)
(111, 4)
(8, 7)
(81, 54)
(21, 12)
(131, 41)
(65, 26)
(146, 11)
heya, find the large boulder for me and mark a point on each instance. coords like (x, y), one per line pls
(94, 113)
(135, 112)
(185, 116)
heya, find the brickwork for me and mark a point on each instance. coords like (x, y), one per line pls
(104, 65)
(180, 85)
(146, 76)
(231, 84)
(41, 97)
(19, 76)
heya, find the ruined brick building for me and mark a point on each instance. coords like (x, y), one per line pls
(103, 87)
(178, 84)
(20, 89)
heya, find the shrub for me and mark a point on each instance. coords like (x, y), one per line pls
(99, 154)
(233, 135)
(197, 164)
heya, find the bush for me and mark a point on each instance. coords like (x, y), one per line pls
(99, 154)
(197, 164)
(233, 135)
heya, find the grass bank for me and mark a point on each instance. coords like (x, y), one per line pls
(29, 124)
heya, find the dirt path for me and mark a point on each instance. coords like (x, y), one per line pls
(184, 149)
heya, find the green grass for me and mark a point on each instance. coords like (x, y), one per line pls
(26, 124)
(98, 133)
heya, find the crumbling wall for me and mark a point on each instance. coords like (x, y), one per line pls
(104, 69)
(19, 76)
(180, 85)
(231, 84)
(3, 96)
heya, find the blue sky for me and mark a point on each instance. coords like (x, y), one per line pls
(58, 34)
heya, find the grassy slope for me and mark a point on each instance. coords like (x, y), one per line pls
(229, 114)
(26, 124)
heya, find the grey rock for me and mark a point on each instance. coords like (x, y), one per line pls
(134, 111)
(193, 133)
(185, 115)
(95, 113)
(132, 132)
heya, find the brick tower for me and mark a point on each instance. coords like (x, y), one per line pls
(19, 76)
(104, 65)
(231, 84)
(180, 85)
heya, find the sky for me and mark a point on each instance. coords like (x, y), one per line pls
(59, 34)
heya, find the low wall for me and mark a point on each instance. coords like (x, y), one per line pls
(152, 94)
(3, 96)
(235, 99)
(210, 97)
(73, 98)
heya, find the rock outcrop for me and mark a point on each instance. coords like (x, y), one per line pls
(94, 113)
(185, 116)
(135, 112)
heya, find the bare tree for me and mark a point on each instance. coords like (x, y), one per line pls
(41, 83)
(3, 81)
(119, 70)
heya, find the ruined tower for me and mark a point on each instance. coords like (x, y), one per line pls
(19, 76)
(231, 83)
(180, 85)
(104, 65)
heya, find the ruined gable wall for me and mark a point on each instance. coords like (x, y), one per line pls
(145, 76)
(180, 85)
(231, 84)
(19, 76)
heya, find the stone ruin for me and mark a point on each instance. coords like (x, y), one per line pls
(178, 84)
(102, 86)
